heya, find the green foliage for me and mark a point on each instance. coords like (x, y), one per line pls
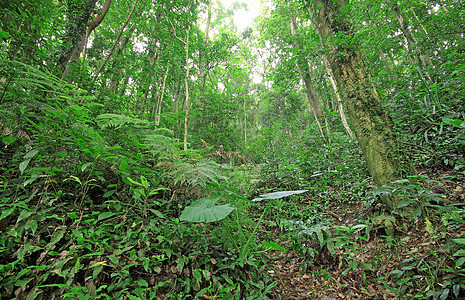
(99, 228)
(422, 275)
(311, 163)
(97, 199)
(196, 174)
(205, 210)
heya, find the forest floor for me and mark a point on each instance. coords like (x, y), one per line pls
(385, 262)
(414, 258)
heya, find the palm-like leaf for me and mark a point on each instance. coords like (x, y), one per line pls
(278, 195)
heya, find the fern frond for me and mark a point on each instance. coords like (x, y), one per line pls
(197, 174)
(25, 77)
(158, 144)
(118, 121)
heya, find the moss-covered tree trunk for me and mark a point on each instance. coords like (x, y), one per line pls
(79, 12)
(372, 127)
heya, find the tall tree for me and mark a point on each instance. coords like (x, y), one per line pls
(79, 29)
(304, 70)
(373, 128)
(123, 27)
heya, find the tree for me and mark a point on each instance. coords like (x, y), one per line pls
(293, 46)
(373, 128)
(78, 13)
(304, 70)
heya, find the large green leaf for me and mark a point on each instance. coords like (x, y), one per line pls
(278, 195)
(206, 210)
(456, 123)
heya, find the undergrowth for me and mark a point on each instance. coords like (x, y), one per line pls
(105, 205)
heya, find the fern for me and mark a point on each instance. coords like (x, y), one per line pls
(26, 89)
(118, 121)
(197, 174)
(21, 78)
(159, 144)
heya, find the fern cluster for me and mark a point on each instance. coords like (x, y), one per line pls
(196, 174)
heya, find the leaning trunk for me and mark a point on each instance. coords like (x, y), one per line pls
(304, 71)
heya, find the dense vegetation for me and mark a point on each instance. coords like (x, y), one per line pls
(152, 150)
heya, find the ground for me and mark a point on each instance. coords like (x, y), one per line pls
(417, 246)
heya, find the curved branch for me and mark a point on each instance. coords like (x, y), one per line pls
(99, 18)
(115, 43)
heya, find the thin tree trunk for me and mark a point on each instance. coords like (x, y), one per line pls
(186, 82)
(203, 64)
(115, 65)
(160, 100)
(331, 102)
(423, 61)
(154, 57)
(245, 123)
(81, 43)
(115, 43)
(322, 103)
(383, 59)
(421, 25)
(176, 95)
(76, 31)
(304, 71)
(329, 73)
(93, 24)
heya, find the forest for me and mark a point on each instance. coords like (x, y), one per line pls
(154, 149)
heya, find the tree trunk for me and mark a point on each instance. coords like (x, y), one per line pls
(245, 123)
(203, 60)
(79, 12)
(411, 46)
(329, 73)
(373, 128)
(186, 82)
(115, 65)
(93, 24)
(176, 94)
(82, 35)
(304, 71)
(115, 43)
(154, 54)
(160, 100)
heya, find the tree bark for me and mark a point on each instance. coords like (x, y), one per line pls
(372, 127)
(115, 65)
(203, 63)
(160, 99)
(411, 46)
(99, 18)
(81, 33)
(329, 73)
(93, 24)
(154, 55)
(186, 82)
(79, 12)
(304, 71)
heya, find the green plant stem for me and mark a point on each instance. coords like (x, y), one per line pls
(246, 247)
